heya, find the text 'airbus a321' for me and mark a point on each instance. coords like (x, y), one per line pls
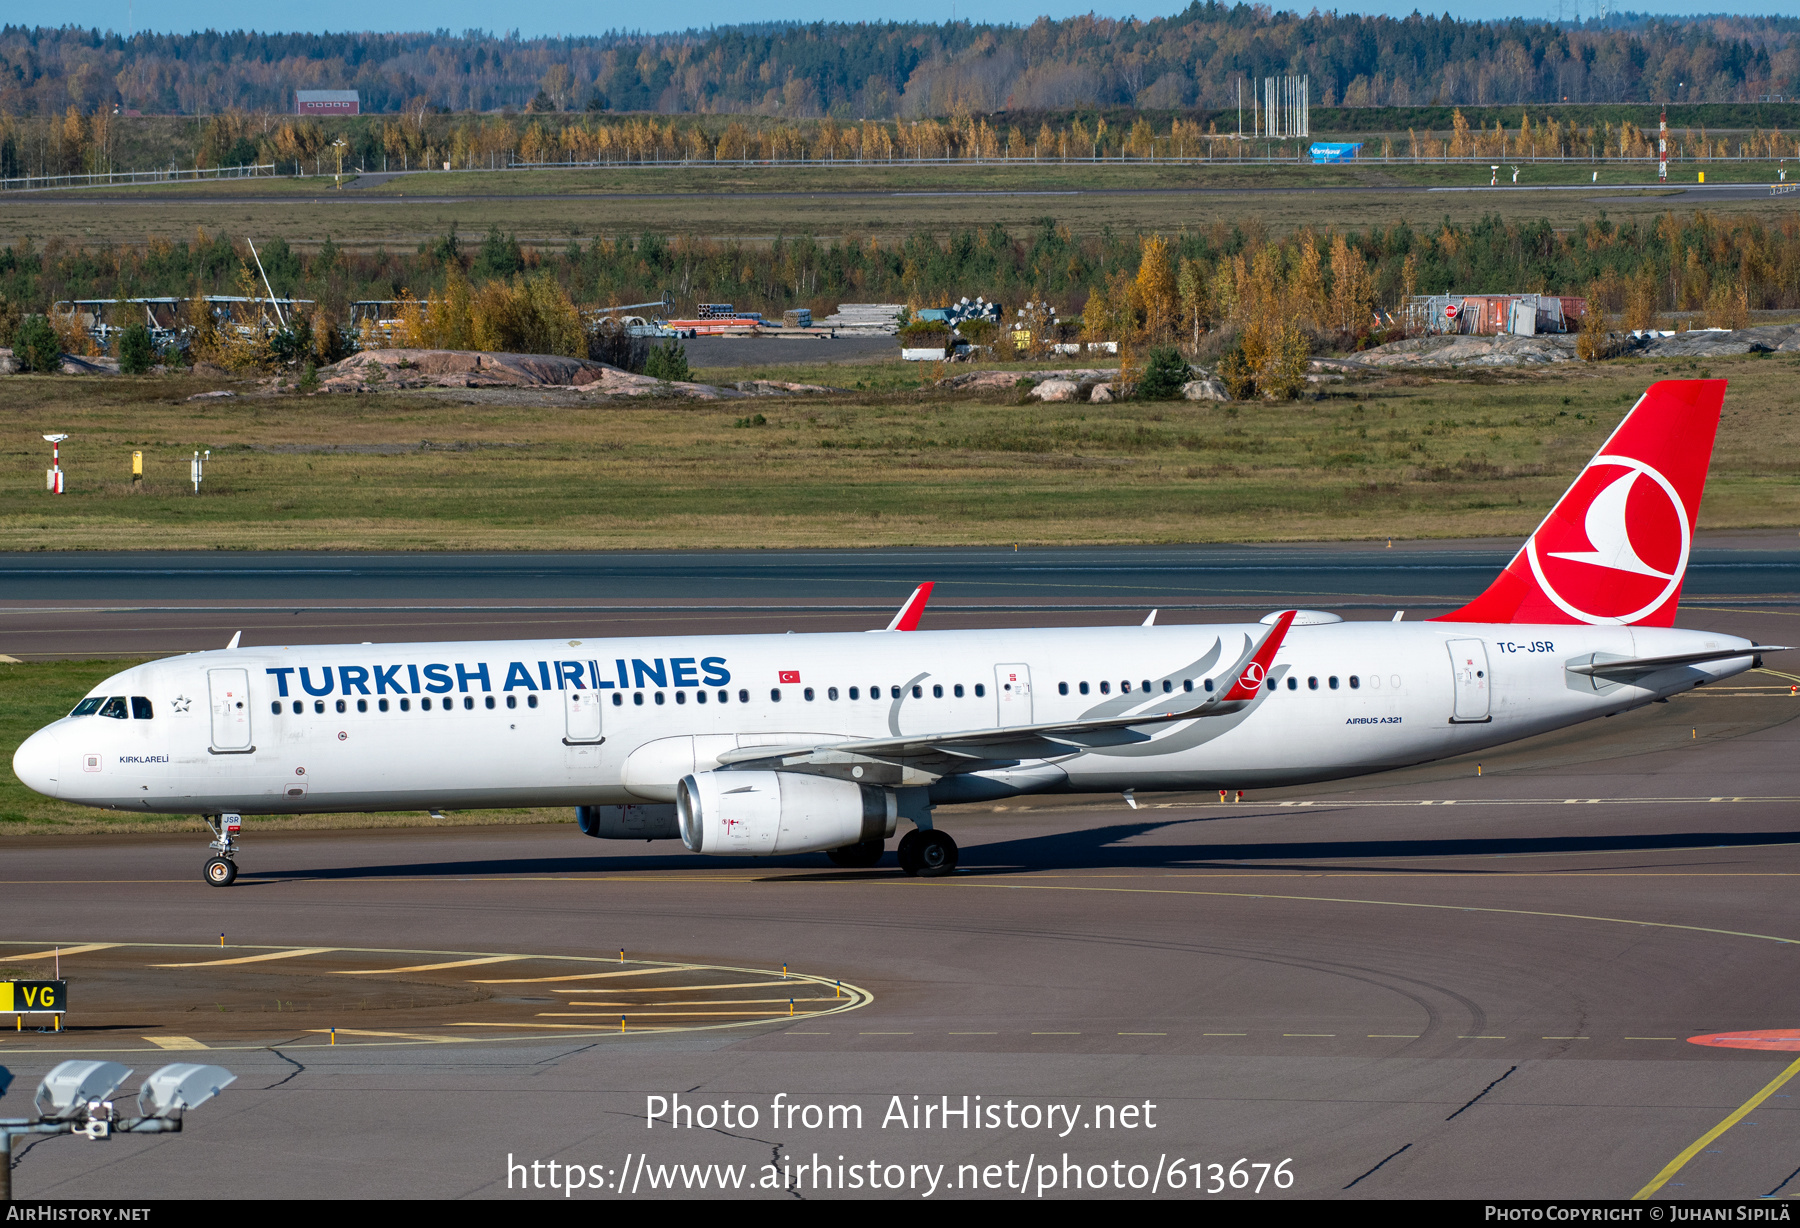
(756, 745)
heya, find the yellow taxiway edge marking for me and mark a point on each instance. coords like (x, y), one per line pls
(1652, 1038)
(252, 959)
(1309, 1035)
(1674, 1166)
(1056, 1033)
(705, 1002)
(4, 659)
(1481, 1038)
(1565, 1038)
(1143, 1033)
(81, 950)
(584, 976)
(666, 1014)
(175, 1042)
(360, 1032)
(949, 1033)
(559, 1027)
(1392, 1036)
(665, 988)
(1224, 1033)
(884, 1033)
(806, 1033)
(455, 963)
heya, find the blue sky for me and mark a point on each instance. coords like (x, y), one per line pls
(536, 17)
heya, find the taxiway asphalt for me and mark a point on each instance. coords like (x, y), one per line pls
(1424, 983)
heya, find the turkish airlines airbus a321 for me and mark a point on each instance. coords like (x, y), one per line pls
(772, 744)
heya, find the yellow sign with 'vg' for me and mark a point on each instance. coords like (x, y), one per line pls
(33, 997)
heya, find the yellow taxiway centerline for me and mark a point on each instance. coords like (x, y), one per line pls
(1743, 1110)
(81, 950)
(455, 963)
(252, 959)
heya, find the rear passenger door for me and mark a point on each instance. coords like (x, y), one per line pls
(1012, 694)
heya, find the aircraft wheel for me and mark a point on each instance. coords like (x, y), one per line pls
(220, 871)
(908, 851)
(858, 856)
(936, 854)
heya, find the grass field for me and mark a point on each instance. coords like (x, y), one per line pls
(554, 205)
(1402, 456)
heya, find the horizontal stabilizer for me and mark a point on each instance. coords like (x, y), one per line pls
(1629, 666)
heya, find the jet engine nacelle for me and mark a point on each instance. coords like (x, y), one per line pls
(753, 814)
(628, 822)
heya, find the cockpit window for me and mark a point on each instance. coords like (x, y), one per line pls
(140, 708)
(114, 707)
(89, 706)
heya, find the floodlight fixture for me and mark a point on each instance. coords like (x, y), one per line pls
(71, 1087)
(181, 1086)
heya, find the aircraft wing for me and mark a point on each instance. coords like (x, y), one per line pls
(1031, 741)
(1629, 666)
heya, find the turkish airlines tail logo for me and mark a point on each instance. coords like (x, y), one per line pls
(1615, 547)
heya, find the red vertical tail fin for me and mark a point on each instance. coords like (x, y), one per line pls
(1615, 547)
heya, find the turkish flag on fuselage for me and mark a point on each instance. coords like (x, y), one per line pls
(790, 675)
(1615, 547)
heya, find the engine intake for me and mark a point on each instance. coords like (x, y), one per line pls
(754, 814)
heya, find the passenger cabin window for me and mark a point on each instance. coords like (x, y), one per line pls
(1187, 684)
(1207, 684)
(855, 692)
(406, 705)
(959, 690)
(1312, 684)
(1333, 682)
(89, 706)
(382, 704)
(362, 705)
(1125, 687)
(1294, 684)
(341, 705)
(894, 692)
(1083, 688)
(469, 702)
(512, 701)
(1168, 686)
(531, 701)
(775, 695)
(424, 705)
(490, 701)
(808, 693)
(1062, 688)
(318, 705)
(937, 692)
(114, 707)
(1106, 688)
(743, 696)
(831, 692)
(140, 708)
(980, 690)
(275, 707)
(918, 692)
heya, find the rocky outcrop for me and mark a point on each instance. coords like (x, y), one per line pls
(1509, 351)
(1057, 390)
(390, 369)
(1206, 388)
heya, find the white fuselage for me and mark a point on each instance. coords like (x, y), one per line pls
(599, 722)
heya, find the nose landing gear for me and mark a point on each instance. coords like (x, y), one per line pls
(221, 871)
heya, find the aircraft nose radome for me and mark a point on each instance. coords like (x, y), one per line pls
(37, 762)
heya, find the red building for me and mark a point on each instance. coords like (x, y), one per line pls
(326, 102)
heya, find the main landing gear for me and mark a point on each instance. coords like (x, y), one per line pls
(927, 853)
(221, 871)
